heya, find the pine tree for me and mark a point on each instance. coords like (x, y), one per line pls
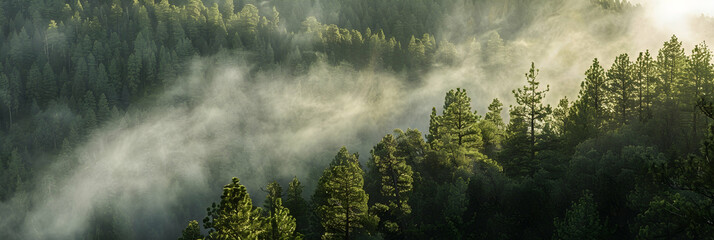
(698, 84)
(280, 226)
(459, 123)
(48, 86)
(395, 184)
(581, 221)
(434, 124)
(191, 232)
(492, 129)
(593, 91)
(234, 217)
(494, 113)
(620, 88)
(346, 208)
(531, 109)
(273, 191)
(671, 63)
(33, 84)
(297, 206)
(103, 112)
(133, 73)
(645, 78)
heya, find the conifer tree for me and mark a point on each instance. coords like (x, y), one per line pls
(345, 210)
(620, 87)
(581, 221)
(234, 217)
(191, 232)
(531, 109)
(698, 84)
(297, 206)
(671, 63)
(592, 92)
(280, 225)
(644, 77)
(395, 184)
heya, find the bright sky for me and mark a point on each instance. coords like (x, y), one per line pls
(674, 14)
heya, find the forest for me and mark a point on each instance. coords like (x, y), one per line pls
(298, 119)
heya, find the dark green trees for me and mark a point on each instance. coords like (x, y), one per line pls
(684, 209)
(458, 123)
(279, 224)
(297, 206)
(592, 94)
(234, 217)
(620, 88)
(645, 78)
(527, 120)
(699, 75)
(345, 209)
(581, 221)
(671, 63)
(492, 129)
(454, 137)
(191, 232)
(394, 180)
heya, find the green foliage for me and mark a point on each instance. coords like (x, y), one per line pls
(281, 226)
(493, 129)
(345, 210)
(234, 217)
(394, 176)
(685, 209)
(620, 88)
(581, 221)
(645, 77)
(191, 232)
(297, 206)
(527, 120)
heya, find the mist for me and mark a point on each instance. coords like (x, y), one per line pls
(163, 163)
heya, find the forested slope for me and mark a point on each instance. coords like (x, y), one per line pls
(629, 157)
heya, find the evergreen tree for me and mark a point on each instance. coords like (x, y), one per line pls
(620, 88)
(280, 226)
(492, 129)
(33, 86)
(48, 86)
(457, 125)
(395, 184)
(593, 94)
(698, 83)
(297, 206)
(103, 112)
(528, 116)
(671, 63)
(581, 221)
(133, 73)
(234, 217)
(458, 122)
(645, 78)
(346, 209)
(191, 232)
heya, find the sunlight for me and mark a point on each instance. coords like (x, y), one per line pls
(676, 15)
